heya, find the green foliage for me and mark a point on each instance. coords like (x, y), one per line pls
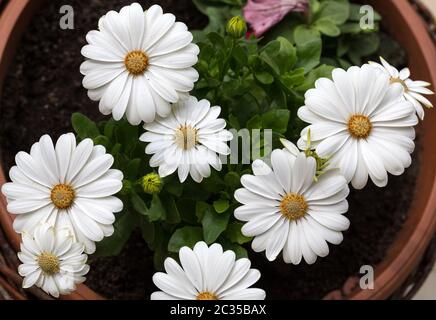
(185, 236)
(259, 84)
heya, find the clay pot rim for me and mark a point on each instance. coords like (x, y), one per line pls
(397, 264)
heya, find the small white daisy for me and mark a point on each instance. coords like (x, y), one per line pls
(361, 123)
(287, 210)
(189, 140)
(139, 63)
(207, 273)
(52, 261)
(413, 90)
(68, 186)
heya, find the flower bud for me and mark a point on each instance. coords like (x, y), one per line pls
(236, 27)
(151, 183)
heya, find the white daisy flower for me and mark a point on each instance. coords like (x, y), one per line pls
(52, 261)
(139, 63)
(413, 90)
(361, 123)
(189, 140)
(67, 186)
(207, 273)
(287, 210)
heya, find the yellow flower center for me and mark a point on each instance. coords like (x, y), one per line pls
(402, 82)
(186, 137)
(136, 62)
(49, 263)
(293, 206)
(359, 126)
(62, 196)
(206, 296)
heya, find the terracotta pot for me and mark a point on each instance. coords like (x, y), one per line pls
(406, 26)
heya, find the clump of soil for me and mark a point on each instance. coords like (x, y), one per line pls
(42, 90)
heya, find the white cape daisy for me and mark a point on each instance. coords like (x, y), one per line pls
(207, 273)
(67, 185)
(52, 261)
(139, 63)
(361, 123)
(288, 211)
(413, 90)
(189, 140)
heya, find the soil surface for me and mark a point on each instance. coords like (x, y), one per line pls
(42, 90)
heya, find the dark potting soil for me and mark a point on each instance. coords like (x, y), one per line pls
(42, 90)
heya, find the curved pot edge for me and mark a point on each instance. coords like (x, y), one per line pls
(404, 259)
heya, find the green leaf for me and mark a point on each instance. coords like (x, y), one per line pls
(255, 122)
(268, 55)
(239, 251)
(322, 71)
(139, 204)
(157, 210)
(232, 180)
(353, 28)
(234, 234)
(309, 47)
(233, 122)
(365, 44)
(221, 206)
(147, 230)
(240, 55)
(343, 47)
(200, 209)
(293, 78)
(264, 77)
(213, 224)
(276, 120)
(132, 169)
(314, 6)
(127, 136)
(287, 55)
(172, 213)
(83, 126)
(109, 128)
(123, 227)
(185, 236)
(216, 39)
(102, 140)
(327, 27)
(336, 11)
(116, 148)
(172, 185)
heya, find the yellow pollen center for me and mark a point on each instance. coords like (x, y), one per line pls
(402, 82)
(186, 137)
(293, 206)
(49, 263)
(206, 296)
(136, 62)
(62, 196)
(359, 126)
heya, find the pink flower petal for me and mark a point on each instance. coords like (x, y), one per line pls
(264, 14)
